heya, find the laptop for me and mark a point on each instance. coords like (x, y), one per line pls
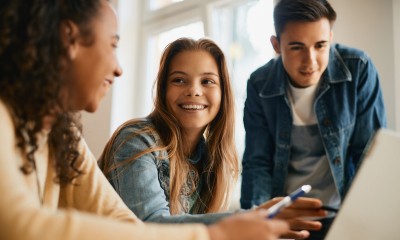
(371, 209)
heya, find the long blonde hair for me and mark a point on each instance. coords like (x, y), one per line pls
(221, 169)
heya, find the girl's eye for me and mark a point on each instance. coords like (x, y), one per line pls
(177, 80)
(208, 81)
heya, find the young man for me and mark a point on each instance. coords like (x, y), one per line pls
(310, 112)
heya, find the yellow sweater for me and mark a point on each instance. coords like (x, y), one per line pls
(89, 209)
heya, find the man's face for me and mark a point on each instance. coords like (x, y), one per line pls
(304, 48)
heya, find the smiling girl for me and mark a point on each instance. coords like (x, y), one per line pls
(180, 159)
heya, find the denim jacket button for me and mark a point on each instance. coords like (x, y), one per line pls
(337, 161)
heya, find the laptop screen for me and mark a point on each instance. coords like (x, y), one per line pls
(371, 209)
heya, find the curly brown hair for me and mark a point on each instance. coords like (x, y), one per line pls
(33, 58)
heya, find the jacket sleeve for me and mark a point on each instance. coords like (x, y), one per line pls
(138, 183)
(258, 155)
(22, 217)
(371, 113)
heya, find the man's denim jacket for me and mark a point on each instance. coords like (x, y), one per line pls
(143, 184)
(349, 108)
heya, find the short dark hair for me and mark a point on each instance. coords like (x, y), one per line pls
(287, 11)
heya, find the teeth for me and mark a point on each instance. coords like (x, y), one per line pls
(191, 106)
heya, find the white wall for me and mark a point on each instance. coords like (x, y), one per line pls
(396, 47)
(368, 25)
(371, 25)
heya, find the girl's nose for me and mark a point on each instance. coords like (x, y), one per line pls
(194, 90)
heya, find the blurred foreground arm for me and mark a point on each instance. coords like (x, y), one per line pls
(249, 225)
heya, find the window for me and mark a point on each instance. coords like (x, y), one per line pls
(157, 4)
(243, 30)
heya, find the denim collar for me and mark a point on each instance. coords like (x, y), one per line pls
(336, 72)
(198, 153)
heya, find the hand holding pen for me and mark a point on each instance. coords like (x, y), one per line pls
(298, 215)
(288, 200)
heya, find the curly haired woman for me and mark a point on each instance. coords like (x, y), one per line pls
(58, 57)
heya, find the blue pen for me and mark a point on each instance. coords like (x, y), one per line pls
(286, 201)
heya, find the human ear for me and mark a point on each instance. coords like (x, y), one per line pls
(275, 44)
(331, 36)
(69, 36)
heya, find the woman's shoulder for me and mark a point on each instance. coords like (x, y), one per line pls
(138, 128)
(137, 137)
(138, 134)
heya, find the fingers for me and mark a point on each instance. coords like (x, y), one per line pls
(248, 225)
(304, 202)
(303, 207)
(289, 213)
(296, 234)
(294, 215)
(297, 224)
(299, 228)
(272, 228)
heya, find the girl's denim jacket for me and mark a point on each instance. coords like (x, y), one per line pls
(349, 108)
(143, 184)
